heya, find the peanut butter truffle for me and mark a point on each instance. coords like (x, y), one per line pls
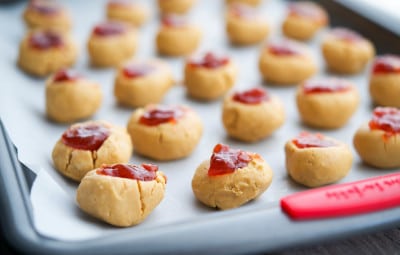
(314, 160)
(47, 14)
(286, 63)
(122, 195)
(86, 146)
(71, 97)
(111, 43)
(43, 52)
(384, 83)
(209, 76)
(128, 11)
(244, 25)
(346, 51)
(248, 2)
(176, 36)
(378, 141)
(136, 78)
(231, 178)
(327, 103)
(252, 115)
(165, 132)
(175, 6)
(303, 20)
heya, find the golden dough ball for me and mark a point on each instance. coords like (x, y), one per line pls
(327, 103)
(315, 160)
(377, 142)
(286, 62)
(71, 97)
(111, 43)
(127, 11)
(122, 195)
(346, 52)
(244, 25)
(252, 115)
(136, 78)
(88, 145)
(46, 14)
(209, 76)
(165, 132)
(177, 37)
(43, 52)
(384, 83)
(175, 6)
(303, 20)
(231, 178)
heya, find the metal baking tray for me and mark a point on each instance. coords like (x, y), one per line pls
(260, 226)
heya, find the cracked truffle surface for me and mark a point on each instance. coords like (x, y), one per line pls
(74, 162)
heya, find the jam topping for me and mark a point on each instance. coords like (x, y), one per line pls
(307, 10)
(135, 70)
(173, 20)
(326, 86)
(386, 119)
(225, 160)
(45, 7)
(66, 75)
(347, 35)
(285, 48)
(307, 140)
(209, 60)
(243, 11)
(44, 40)
(110, 28)
(145, 172)
(86, 136)
(161, 114)
(251, 96)
(387, 64)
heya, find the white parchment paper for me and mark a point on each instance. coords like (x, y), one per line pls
(53, 197)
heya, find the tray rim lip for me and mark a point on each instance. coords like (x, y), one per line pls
(33, 241)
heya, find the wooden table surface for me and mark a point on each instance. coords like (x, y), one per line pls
(380, 243)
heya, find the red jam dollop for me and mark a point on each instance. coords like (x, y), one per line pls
(110, 28)
(251, 96)
(145, 172)
(307, 10)
(387, 64)
(347, 35)
(209, 60)
(307, 140)
(284, 48)
(45, 7)
(161, 114)
(225, 160)
(243, 11)
(44, 40)
(86, 136)
(386, 119)
(135, 70)
(66, 75)
(326, 86)
(173, 20)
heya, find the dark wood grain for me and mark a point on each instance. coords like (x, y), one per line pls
(385, 242)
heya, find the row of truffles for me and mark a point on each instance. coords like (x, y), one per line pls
(48, 14)
(326, 103)
(281, 61)
(122, 194)
(44, 51)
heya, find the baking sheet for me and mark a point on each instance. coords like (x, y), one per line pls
(22, 111)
